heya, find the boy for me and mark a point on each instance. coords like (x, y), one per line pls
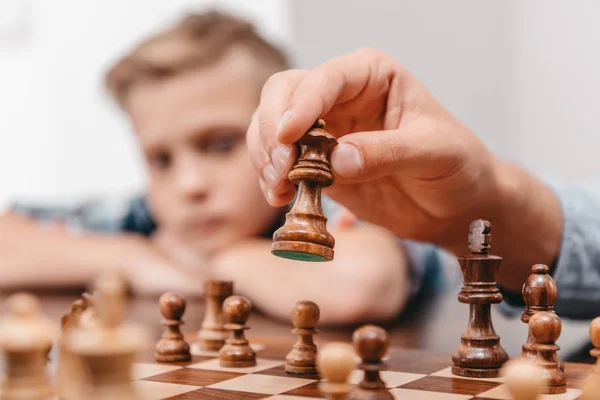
(190, 93)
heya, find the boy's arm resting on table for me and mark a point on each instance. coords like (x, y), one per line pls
(37, 256)
(368, 279)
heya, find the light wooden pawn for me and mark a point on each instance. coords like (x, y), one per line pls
(524, 379)
(25, 337)
(109, 350)
(335, 362)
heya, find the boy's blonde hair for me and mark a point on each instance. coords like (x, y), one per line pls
(198, 40)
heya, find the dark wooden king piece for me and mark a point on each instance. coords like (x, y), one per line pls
(172, 347)
(236, 352)
(303, 357)
(539, 293)
(480, 354)
(304, 235)
(371, 344)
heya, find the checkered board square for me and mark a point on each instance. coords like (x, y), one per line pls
(415, 380)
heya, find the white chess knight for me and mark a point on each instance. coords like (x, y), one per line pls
(26, 337)
(108, 350)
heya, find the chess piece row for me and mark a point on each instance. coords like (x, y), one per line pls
(96, 349)
(480, 354)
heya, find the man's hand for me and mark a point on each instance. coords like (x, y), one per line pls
(403, 162)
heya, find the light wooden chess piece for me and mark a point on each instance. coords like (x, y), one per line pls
(25, 336)
(109, 350)
(71, 376)
(302, 358)
(539, 293)
(236, 352)
(590, 388)
(335, 362)
(212, 333)
(172, 347)
(371, 344)
(479, 354)
(524, 379)
(304, 235)
(545, 329)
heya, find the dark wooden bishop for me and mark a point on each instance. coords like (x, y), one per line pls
(371, 344)
(539, 293)
(302, 358)
(304, 235)
(236, 352)
(172, 347)
(479, 354)
(545, 328)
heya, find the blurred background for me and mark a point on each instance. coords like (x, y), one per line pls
(523, 75)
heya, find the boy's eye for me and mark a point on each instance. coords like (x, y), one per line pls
(160, 161)
(221, 144)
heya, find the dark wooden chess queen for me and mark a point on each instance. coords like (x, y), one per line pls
(480, 354)
(304, 235)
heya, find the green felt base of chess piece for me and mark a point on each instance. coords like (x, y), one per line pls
(302, 251)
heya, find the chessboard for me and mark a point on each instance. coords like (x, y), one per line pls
(411, 375)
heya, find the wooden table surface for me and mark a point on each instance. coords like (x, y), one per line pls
(435, 326)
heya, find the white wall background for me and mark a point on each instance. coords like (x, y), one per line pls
(522, 74)
(60, 136)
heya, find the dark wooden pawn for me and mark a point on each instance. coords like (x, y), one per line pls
(539, 293)
(371, 344)
(304, 235)
(302, 358)
(479, 354)
(212, 333)
(172, 347)
(545, 328)
(236, 352)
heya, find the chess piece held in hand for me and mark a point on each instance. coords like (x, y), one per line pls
(25, 336)
(371, 343)
(236, 352)
(524, 379)
(335, 362)
(479, 354)
(545, 328)
(172, 347)
(212, 333)
(302, 358)
(304, 235)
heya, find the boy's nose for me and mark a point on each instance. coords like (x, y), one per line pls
(193, 184)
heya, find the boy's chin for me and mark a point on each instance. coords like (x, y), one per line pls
(187, 247)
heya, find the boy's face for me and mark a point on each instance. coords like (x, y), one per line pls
(191, 128)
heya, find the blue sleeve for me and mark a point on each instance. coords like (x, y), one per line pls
(577, 268)
(107, 216)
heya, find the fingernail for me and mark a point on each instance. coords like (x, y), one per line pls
(271, 177)
(280, 158)
(347, 161)
(283, 121)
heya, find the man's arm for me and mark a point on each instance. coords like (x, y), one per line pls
(367, 280)
(32, 255)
